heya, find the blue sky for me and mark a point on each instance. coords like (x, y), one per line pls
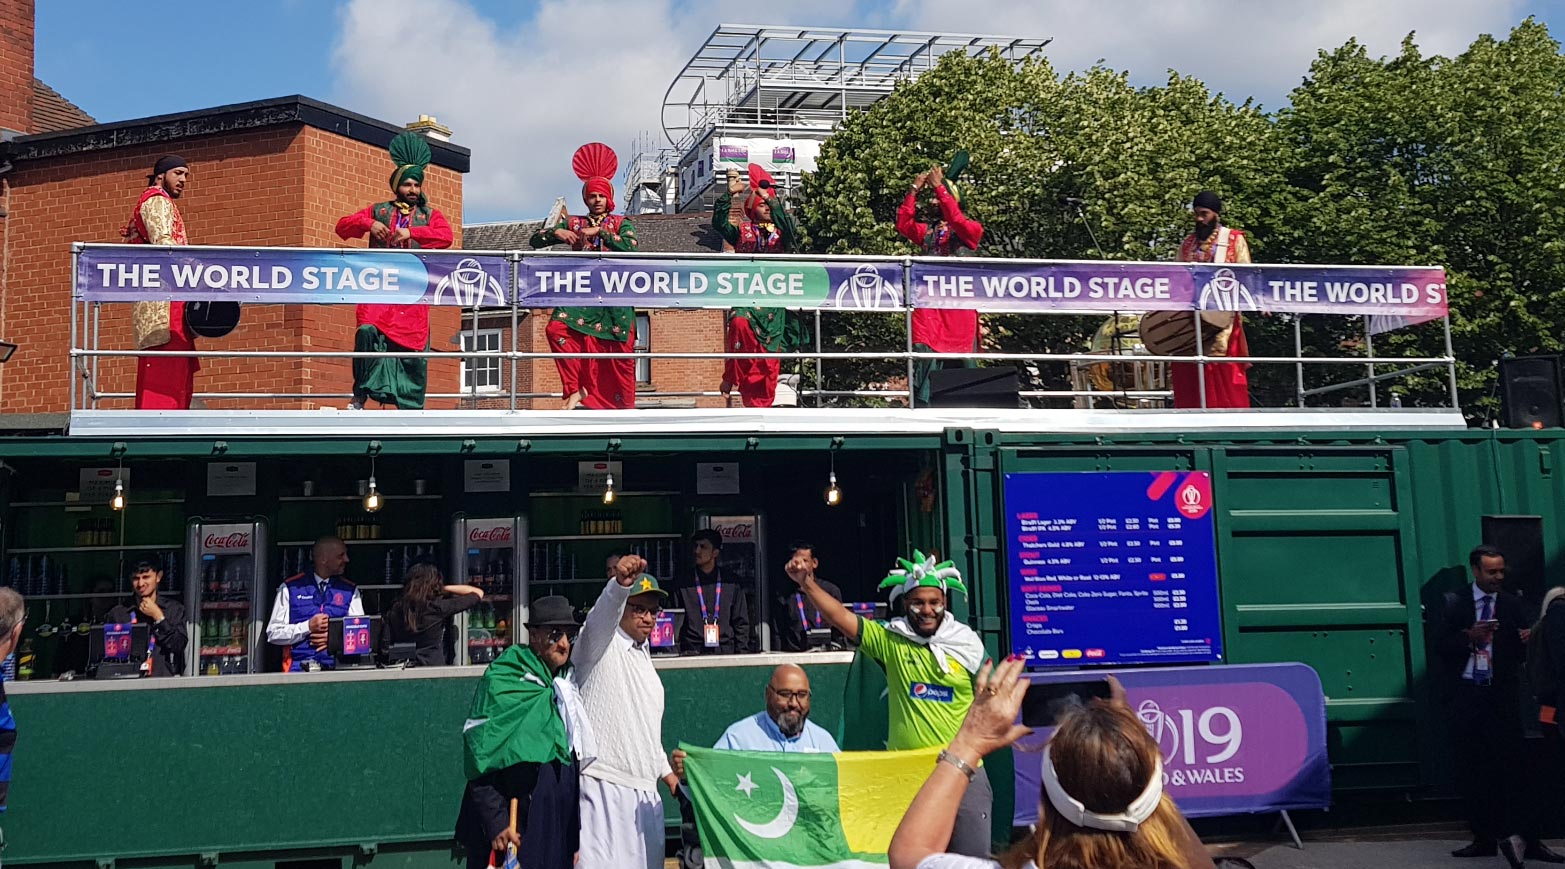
(492, 70)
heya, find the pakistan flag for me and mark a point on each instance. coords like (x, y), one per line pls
(769, 809)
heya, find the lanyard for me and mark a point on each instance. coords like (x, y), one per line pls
(799, 599)
(717, 607)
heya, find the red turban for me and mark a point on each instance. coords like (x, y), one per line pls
(599, 184)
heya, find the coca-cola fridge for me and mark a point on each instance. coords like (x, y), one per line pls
(743, 560)
(484, 554)
(225, 616)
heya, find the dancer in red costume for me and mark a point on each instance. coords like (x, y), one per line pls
(594, 383)
(406, 221)
(768, 229)
(950, 233)
(1227, 383)
(162, 382)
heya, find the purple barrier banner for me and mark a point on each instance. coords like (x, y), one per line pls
(1235, 739)
(134, 273)
(711, 283)
(1395, 296)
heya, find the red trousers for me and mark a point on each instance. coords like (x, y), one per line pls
(168, 382)
(756, 379)
(610, 383)
(1227, 383)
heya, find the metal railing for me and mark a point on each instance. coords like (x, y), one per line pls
(86, 347)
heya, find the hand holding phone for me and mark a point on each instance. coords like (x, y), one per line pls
(1046, 702)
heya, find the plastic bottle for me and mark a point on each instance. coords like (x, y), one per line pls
(24, 660)
(8, 668)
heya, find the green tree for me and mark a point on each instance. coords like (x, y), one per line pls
(1426, 160)
(1135, 155)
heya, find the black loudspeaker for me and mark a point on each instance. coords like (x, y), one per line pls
(1530, 395)
(1521, 539)
(974, 387)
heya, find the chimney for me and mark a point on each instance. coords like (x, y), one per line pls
(425, 124)
(16, 68)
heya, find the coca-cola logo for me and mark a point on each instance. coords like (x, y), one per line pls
(236, 540)
(738, 531)
(492, 534)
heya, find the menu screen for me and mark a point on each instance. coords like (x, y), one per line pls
(1112, 568)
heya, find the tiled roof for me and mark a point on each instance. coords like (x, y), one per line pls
(655, 233)
(52, 112)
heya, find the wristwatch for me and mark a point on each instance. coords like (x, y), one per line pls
(965, 767)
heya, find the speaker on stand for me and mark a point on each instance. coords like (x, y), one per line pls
(1530, 393)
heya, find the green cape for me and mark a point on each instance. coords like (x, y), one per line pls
(516, 719)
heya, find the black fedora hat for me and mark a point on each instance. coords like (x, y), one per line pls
(551, 611)
(211, 319)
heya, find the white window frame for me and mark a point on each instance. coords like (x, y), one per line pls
(480, 340)
(643, 345)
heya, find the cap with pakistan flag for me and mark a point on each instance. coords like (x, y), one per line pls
(757, 809)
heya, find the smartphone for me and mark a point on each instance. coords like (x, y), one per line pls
(1045, 702)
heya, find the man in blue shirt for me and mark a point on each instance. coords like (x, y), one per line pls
(784, 726)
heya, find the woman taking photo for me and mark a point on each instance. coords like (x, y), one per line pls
(1102, 805)
(420, 615)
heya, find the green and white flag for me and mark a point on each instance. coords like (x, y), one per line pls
(759, 809)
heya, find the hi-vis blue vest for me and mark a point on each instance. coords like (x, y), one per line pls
(305, 600)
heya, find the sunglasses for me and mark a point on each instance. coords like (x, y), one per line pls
(557, 634)
(637, 609)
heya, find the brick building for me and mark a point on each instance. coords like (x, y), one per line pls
(274, 172)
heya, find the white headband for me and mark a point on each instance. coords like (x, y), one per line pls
(1127, 821)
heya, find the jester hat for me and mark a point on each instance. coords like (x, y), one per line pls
(760, 181)
(595, 164)
(410, 153)
(923, 572)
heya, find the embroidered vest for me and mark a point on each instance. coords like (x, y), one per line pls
(752, 239)
(387, 213)
(611, 224)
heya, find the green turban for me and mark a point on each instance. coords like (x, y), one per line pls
(410, 153)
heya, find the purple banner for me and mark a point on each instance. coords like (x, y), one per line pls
(271, 275)
(733, 153)
(782, 155)
(1392, 296)
(710, 283)
(1237, 739)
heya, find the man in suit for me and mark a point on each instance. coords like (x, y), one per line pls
(1480, 644)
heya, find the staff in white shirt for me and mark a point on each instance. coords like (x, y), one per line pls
(621, 809)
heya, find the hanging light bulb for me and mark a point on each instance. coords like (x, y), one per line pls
(118, 501)
(372, 498)
(608, 489)
(833, 494)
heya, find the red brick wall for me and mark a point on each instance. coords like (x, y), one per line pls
(277, 186)
(16, 65)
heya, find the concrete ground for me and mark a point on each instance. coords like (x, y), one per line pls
(1399, 847)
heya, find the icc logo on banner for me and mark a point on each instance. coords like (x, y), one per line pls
(1225, 292)
(865, 289)
(469, 286)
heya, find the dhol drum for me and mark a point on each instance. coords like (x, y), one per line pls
(1172, 333)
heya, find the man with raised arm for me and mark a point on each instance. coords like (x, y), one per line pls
(768, 228)
(621, 809)
(406, 221)
(930, 659)
(948, 232)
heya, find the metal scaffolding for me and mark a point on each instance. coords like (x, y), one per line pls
(798, 82)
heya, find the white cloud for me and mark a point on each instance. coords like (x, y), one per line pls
(522, 96)
(1260, 49)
